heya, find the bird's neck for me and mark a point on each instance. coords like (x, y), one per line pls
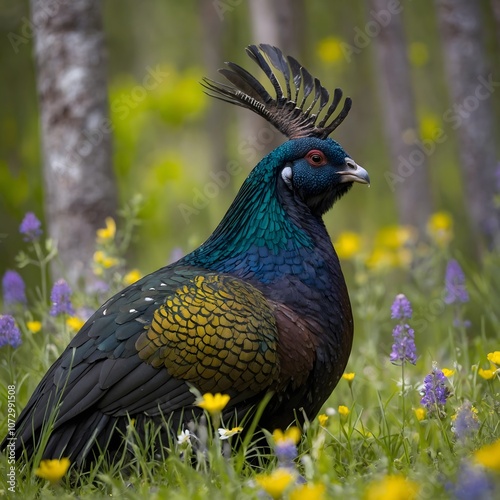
(264, 234)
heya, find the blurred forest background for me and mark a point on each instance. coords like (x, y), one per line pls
(423, 76)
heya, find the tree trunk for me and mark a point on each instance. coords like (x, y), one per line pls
(80, 189)
(213, 56)
(279, 23)
(495, 7)
(409, 179)
(471, 86)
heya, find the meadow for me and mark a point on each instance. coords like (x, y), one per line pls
(416, 414)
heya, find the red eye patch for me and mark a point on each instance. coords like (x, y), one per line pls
(316, 158)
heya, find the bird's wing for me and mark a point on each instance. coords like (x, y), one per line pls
(216, 332)
(140, 351)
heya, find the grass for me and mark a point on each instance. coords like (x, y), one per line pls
(374, 438)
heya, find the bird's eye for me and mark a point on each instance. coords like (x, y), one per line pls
(316, 158)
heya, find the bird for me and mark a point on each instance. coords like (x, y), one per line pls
(260, 309)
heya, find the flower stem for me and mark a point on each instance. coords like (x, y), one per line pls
(403, 410)
(42, 263)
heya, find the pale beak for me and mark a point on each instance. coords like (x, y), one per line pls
(354, 173)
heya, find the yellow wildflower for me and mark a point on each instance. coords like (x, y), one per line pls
(308, 492)
(330, 50)
(403, 257)
(344, 411)
(349, 376)
(105, 260)
(214, 403)
(494, 357)
(75, 323)
(53, 470)
(447, 372)
(419, 413)
(291, 434)
(440, 228)
(392, 487)
(347, 245)
(323, 419)
(34, 326)
(489, 456)
(395, 237)
(107, 233)
(227, 433)
(440, 221)
(99, 256)
(486, 374)
(430, 127)
(131, 277)
(110, 262)
(390, 249)
(418, 54)
(381, 258)
(365, 433)
(277, 482)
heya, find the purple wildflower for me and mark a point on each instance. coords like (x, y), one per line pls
(30, 227)
(466, 422)
(403, 348)
(461, 323)
(455, 284)
(60, 296)
(286, 452)
(401, 308)
(472, 482)
(9, 332)
(13, 288)
(435, 392)
(176, 254)
(85, 312)
(100, 287)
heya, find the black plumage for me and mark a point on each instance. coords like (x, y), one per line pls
(260, 307)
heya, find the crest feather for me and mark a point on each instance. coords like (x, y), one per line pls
(284, 111)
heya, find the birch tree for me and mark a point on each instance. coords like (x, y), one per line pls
(472, 85)
(80, 189)
(279, 23)
(409, 179)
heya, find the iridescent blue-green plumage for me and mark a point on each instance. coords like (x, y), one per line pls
(260, 307)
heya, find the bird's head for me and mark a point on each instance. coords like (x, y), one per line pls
(319, 171)
(311, 166)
